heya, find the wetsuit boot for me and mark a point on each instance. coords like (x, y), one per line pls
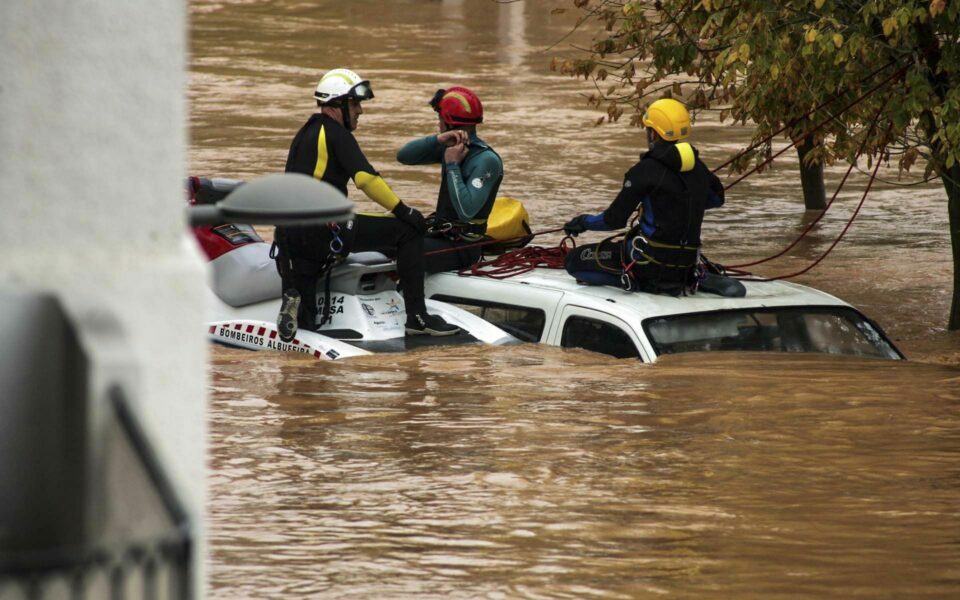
(287, 319)
(427, 324)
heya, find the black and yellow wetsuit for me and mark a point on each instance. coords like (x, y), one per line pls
(325, 149)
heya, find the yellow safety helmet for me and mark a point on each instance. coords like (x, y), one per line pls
(668, 118)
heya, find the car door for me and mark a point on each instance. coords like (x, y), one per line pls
(526, 312)
(593, 330)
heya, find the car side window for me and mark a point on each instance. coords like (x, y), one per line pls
(522, 322)
(598, 336)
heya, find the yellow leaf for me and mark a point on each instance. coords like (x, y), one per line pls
(811, 36)
(706, 5)
(937, 7)
(837, 40)
(818, 4)
(774, 71)
(744, 52)
(889, 24)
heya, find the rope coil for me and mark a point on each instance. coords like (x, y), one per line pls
(522, 260)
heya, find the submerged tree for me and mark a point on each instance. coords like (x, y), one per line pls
(821, 72)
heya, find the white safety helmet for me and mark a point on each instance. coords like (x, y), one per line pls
(342, 84)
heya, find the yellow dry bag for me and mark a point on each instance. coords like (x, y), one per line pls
(509, 223)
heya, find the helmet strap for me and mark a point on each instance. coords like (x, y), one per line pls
(345, 112)
(652, 136)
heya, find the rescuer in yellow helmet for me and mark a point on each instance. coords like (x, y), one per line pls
(670, 188)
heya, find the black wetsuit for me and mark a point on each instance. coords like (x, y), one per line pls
(324, 149)
(672, 188)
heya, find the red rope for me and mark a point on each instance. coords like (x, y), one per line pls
(836, 192)
(815, 109)
(743, 275)
(814, 129)
(522, 260)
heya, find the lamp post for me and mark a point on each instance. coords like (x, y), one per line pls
(280, 199)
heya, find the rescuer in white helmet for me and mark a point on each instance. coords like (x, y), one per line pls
(326, 149)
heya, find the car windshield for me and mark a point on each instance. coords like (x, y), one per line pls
(831, 330)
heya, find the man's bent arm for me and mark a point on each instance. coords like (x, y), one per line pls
(376, 189)
(715, 196)
(423, 151)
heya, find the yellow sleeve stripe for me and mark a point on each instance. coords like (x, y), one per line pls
(376, 189)
(322, 157)
(687, 158)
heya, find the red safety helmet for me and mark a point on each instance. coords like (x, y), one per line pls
(458, 106)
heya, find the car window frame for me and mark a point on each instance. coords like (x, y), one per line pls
(461, 301)
(573, 310)
(645, 324)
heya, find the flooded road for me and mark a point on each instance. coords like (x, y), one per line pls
(538, 472)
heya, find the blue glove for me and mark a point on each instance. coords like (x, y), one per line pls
(576, 225)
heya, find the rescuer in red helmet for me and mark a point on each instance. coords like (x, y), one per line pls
(470, 175)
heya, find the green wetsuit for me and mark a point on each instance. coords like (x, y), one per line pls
(467, 193)
(468, 189)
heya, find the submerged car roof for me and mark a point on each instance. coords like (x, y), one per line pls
(511, 290)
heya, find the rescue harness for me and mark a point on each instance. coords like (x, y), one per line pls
(286, 265)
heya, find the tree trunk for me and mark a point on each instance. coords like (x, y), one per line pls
(951, 182)
(941, 83)
(811, 177)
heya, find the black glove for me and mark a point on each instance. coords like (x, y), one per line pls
(576, 225)
(410, 216)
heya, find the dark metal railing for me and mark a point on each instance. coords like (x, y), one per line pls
(159, 568)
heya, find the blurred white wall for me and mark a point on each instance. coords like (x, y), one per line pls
(92, 159)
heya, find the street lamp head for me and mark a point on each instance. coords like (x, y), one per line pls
(280, 199)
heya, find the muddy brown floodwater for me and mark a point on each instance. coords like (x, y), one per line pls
(537, 472)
